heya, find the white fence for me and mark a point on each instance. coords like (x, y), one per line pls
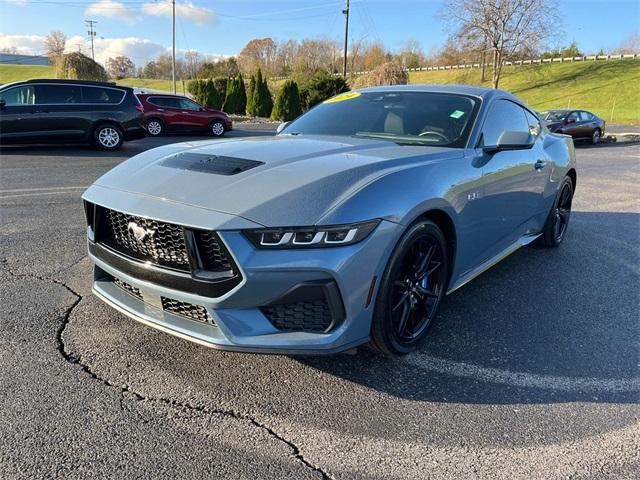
(585, 58)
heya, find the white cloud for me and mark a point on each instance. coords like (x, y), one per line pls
(140, 50)
(198, 15)
(24, 44)
(112, 9)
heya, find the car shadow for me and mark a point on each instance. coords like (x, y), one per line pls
(544, 325)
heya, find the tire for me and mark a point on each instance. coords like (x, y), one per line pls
(154, 127)
(415, 278)
(555, 228)
(596, 136)
(108, 137)
(217, 128)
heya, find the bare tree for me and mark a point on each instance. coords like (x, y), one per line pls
(120, 67)
(54, 44)
(509, 26)
(193, 61)
(630, 45)
(258, 53)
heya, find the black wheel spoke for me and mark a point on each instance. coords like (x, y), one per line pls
(426, 261)
(404, 316)
(403, 299)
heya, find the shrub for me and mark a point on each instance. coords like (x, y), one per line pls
(208, 95)
(259, 102)
(76, 66)
(220, 84)
(236, 98)
(251, 93)
(389, 73)
(193, 87)
(287, 105)
(321, 86)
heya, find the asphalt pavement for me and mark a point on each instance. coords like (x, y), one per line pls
(531, 371)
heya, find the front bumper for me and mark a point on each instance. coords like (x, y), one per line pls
(238, 319)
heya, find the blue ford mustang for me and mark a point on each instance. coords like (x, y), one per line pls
(347, 227)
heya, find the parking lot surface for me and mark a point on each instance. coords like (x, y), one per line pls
(531, 371)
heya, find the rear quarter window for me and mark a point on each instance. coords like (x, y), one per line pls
(99, 95)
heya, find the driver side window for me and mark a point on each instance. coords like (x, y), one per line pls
(187, 104)
(503, 116)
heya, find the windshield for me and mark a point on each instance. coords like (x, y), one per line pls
(406, 118)
(556, 116)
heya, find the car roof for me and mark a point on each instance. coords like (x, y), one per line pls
(436, 88)
(66, 82)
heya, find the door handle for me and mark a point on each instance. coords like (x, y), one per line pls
(161, 109)
(540, 164)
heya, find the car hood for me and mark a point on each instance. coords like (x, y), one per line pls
(274, 181)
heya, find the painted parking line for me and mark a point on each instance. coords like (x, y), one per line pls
(522, 379)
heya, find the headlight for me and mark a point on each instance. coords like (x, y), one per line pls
(311, 237)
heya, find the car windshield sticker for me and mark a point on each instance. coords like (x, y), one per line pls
(343, 97)
(456, 114)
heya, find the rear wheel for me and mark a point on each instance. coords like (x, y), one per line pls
(217, 128)
(154, 127)
(557, 223)
(411, 290)
(108, 137)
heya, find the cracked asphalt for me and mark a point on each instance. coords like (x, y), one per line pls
(531, 371)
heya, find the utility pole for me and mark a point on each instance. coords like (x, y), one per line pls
(345, 12)
(92, 34)
(173, 56)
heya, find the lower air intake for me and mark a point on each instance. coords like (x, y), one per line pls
(187, 310)
(308, 316)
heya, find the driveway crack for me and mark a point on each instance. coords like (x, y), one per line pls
(125, 389)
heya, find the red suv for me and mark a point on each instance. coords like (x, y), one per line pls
(174, 113)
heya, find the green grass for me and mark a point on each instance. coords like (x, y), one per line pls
(152, 84)
(610, 89)
(16, 73)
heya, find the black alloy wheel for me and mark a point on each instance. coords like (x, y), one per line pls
(558, 221)
(411, 291)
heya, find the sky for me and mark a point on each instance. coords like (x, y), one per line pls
(141, 29)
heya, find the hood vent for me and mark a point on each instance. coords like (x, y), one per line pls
(205, 163)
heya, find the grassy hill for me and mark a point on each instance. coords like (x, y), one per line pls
(16, 73)
(610, 89)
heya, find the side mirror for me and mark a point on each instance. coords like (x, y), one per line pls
(3, 103)
(510, 140)
(282, 126)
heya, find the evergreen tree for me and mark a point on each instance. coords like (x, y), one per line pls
(262, 97)
(251, 97)
(287, 105)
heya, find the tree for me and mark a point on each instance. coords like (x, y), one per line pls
(193, 61)
(193, 87)
(150, 70)
(208, 95)
(77, 66)
(258, 53)
(412, 55)
(236, 98)
(54, 45)
(373, 56)
(389, 73)
(509, 26)
(287, 105)
(251, 109)
(120, 67)
(220, 84)
(321, 86)
(263, 104)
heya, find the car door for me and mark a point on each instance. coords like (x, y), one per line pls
(512, 180)
(572, 125)
(17, 120)
(172, 113)
(59, 112)
(194, 116)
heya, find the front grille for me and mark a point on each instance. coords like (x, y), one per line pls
(310, 316)
(188, 310)
(130, 289)
(157, 242)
